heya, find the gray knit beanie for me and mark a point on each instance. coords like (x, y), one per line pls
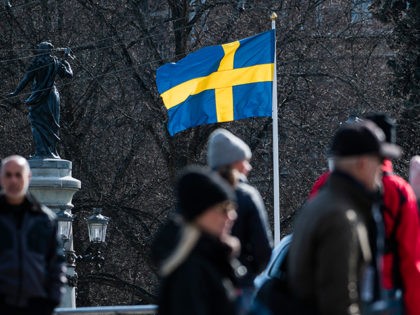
(224, 148)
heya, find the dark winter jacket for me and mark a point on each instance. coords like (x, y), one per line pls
(401, 263)
(197, 276)
(252, 229)
(31, 259)
(330, 247)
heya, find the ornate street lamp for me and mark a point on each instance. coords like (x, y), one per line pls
(97, 224)
(65, 220)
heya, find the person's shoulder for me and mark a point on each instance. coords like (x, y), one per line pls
(48, 212)
(394, 179)
(39, 208)
(389, 177)
(325, 205)
(396, 182)
(248, 196)
(246, 188)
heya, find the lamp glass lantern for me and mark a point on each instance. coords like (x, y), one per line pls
(97, 225)
(65, 220)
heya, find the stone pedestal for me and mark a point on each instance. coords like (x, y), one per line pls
(53, 185)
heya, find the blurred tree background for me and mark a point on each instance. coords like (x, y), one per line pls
(404, 18)
(333, 61)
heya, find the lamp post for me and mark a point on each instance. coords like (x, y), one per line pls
(97, 227)
(65, 232)
(53, 185)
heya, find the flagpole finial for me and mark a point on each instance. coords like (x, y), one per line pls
(273, 16)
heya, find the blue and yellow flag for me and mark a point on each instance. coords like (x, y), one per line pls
(219, 83)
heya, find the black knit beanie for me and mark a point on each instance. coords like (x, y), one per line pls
(198, 188)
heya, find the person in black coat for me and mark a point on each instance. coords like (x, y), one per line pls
(230, 156)
(32, 270)
(193, 250)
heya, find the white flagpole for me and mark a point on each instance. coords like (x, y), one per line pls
(276, 188)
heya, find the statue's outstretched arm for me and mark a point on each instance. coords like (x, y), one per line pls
(25, 80)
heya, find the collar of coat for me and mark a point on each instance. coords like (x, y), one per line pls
(192, 239)
(189, 238)
(29, 199)
(346, 183)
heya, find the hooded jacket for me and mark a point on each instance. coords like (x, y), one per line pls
(31, 257)
(197, 275)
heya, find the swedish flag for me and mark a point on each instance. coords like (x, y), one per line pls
(219, 83)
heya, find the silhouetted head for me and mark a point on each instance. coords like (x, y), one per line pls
(43, 48)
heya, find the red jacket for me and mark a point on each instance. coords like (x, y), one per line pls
(400, 208)
(320, 181)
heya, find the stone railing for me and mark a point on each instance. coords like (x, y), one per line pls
(108, 310)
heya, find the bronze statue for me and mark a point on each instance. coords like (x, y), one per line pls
(44, 101)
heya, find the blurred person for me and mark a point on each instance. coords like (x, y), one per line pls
(401, 261)
(194, 251)
(230, 157)
(31, 258)
(330, 250)
(414, 176)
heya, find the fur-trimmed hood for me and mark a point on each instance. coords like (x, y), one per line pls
(173, 243)
(189, 258)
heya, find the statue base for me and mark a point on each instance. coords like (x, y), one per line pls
(52, 183)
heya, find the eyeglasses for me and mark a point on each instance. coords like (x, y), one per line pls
(226, 208)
